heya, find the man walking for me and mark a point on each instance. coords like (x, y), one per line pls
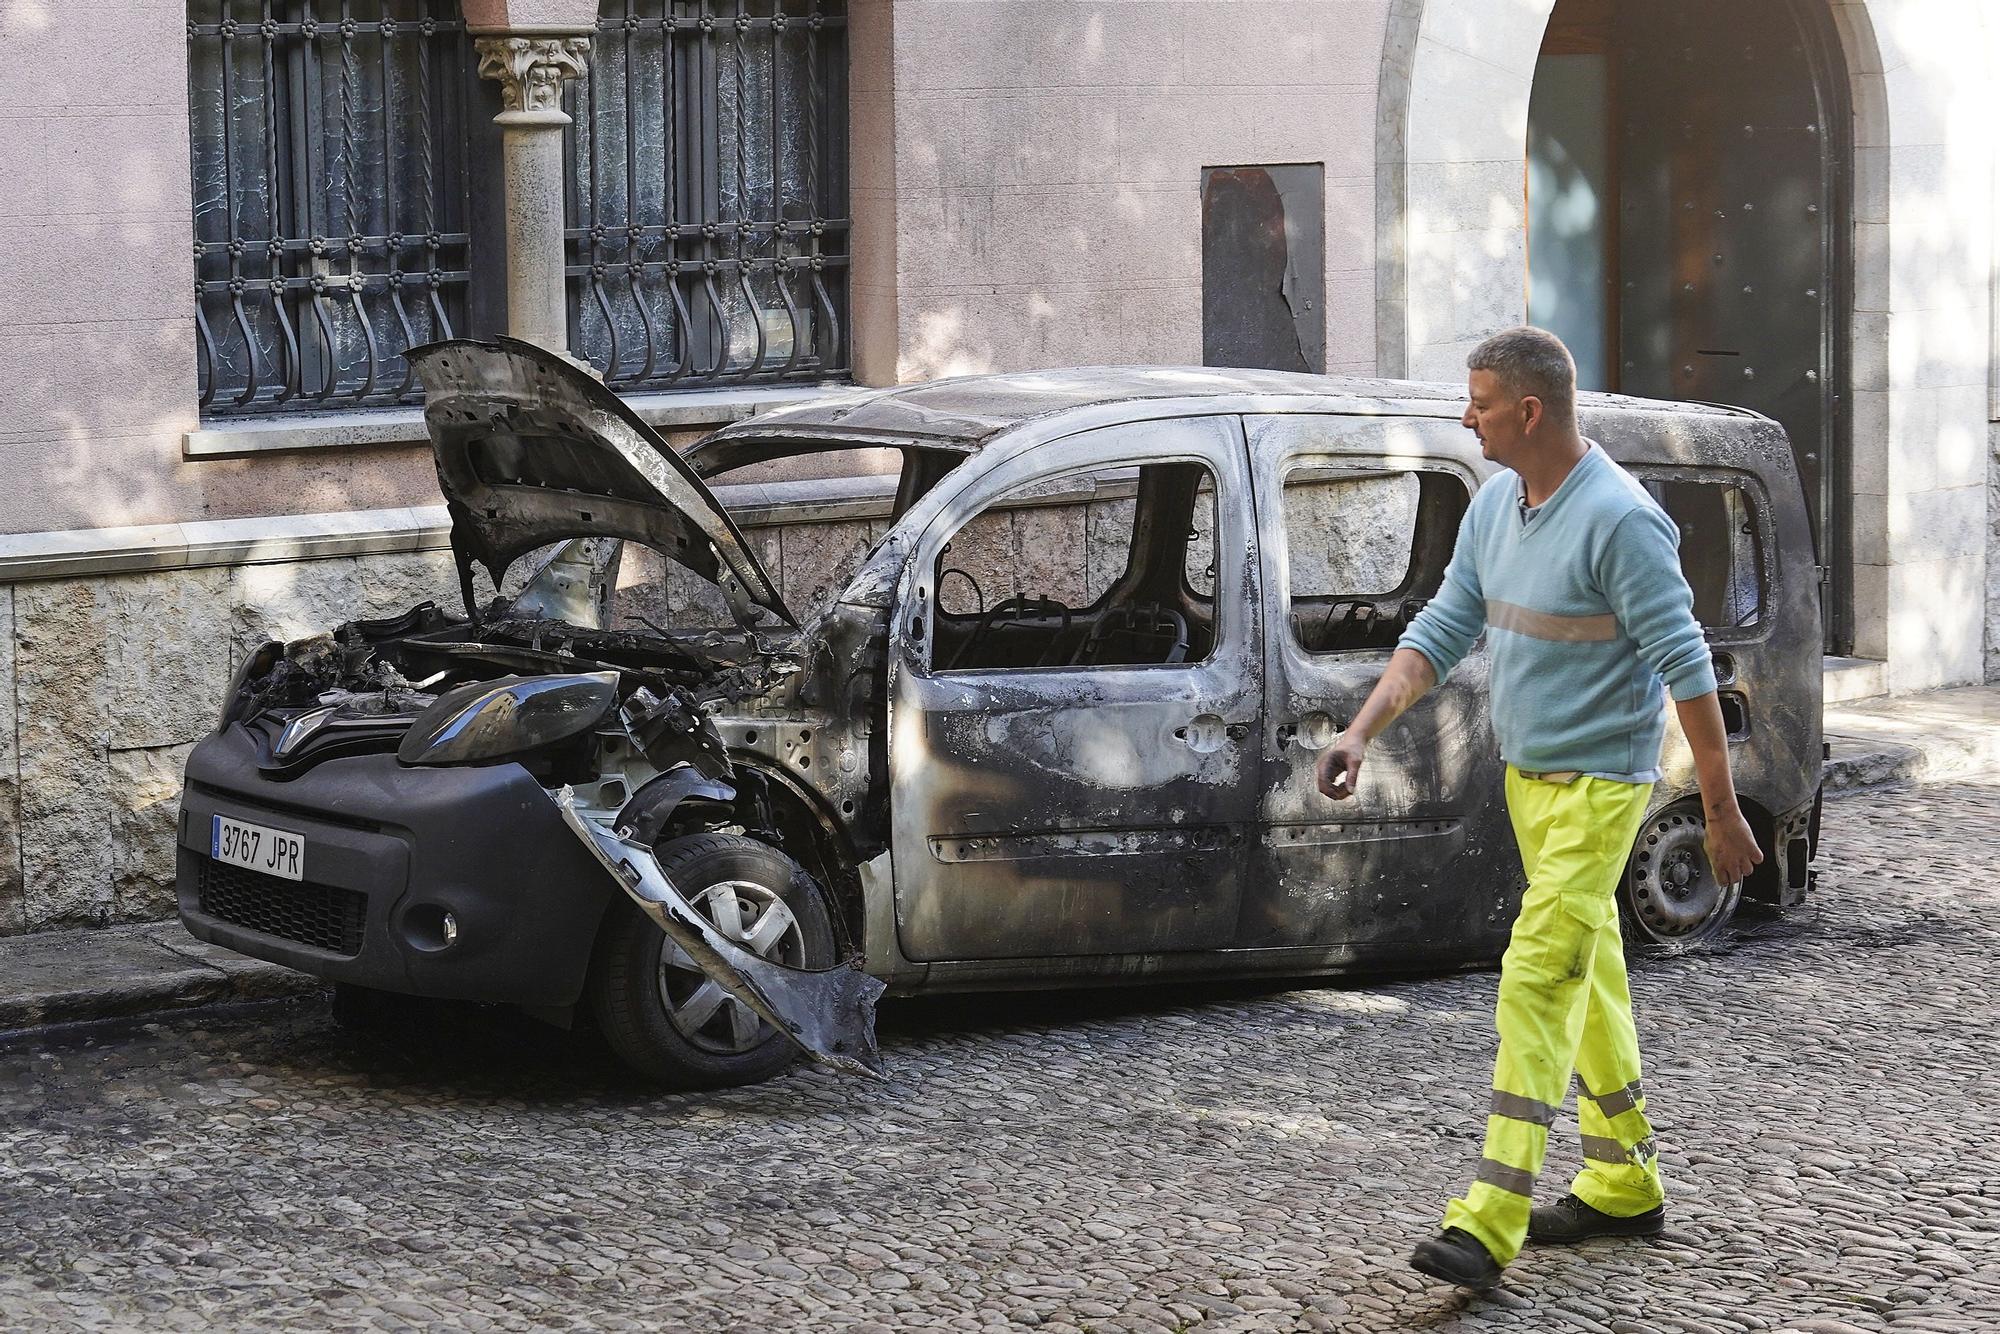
(1575, 571)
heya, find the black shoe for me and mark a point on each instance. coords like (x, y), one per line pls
(1456, 1256)
(1570, 1219)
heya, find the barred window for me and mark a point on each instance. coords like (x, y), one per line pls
(708, 236)
(330, 207)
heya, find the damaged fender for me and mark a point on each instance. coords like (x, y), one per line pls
(830, 1014)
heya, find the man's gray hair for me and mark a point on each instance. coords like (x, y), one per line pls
(1527, 360)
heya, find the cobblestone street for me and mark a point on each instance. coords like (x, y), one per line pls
(1219, 1159)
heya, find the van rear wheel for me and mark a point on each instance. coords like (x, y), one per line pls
(670, 1021)
(1670, 898)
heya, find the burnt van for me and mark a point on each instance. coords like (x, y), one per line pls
(1055, 722)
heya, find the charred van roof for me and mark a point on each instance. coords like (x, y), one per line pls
(961, 415)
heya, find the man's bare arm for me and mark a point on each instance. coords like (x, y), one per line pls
(1407, 679)
(1732, 848)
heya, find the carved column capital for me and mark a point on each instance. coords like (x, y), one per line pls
(530, 71)
(530, 68)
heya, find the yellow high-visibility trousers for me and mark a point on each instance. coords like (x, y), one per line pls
(1565, 1007)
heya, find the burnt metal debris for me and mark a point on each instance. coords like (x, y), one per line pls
(1035, 788)
(829, 1013)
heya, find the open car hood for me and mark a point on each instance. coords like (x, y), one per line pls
(532, 451)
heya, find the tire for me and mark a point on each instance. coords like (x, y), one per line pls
(666, 1019)
(1669, 899)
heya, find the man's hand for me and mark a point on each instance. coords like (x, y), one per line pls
(1732, 848)
(1340, 766)
(1408, 676)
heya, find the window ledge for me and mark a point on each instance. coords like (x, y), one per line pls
(405, 426)
(87, 552)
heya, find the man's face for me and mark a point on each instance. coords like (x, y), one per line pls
(1500, 420)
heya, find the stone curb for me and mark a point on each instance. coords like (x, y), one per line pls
(1914, 738)
(60, 977)
(1858, 763)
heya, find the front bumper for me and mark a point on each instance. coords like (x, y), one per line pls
(389, 850)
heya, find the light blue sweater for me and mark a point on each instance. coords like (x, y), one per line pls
(1589, 612)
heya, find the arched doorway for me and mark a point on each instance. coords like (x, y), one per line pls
(1689, 221)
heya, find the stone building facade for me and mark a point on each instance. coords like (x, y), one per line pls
(1024, 183)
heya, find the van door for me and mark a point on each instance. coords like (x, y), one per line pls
(1747, 559)
(1074, 710)
(1359, 517)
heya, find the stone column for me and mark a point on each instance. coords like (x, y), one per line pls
(530, 69)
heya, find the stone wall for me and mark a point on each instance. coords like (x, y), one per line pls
(113, 679)
(108, 679)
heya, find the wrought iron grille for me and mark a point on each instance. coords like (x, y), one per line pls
(708, 238)
(329, 197)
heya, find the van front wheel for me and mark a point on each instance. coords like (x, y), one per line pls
(1670, 898)
(666, 1018)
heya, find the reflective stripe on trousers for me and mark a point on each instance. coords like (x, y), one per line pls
(1565, 1007)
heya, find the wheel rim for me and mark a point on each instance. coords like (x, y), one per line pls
(1675, 895)
(754, 917)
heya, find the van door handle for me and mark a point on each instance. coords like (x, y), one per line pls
(1207, 732)
(1312, 731)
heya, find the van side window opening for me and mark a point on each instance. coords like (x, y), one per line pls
(1365, 550)
(1722, 549)
(1109, 567)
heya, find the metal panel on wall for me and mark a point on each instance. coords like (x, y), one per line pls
(1263, 267)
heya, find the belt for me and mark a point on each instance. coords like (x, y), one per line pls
(1554, 776)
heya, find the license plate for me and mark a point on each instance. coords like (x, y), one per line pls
(258, 847)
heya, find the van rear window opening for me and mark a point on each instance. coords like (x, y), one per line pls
(1722, 548)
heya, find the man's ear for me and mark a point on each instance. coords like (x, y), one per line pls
(1532, 413)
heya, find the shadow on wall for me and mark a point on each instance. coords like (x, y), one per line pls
(97, 339)
(1049, 206)
(90, 437)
